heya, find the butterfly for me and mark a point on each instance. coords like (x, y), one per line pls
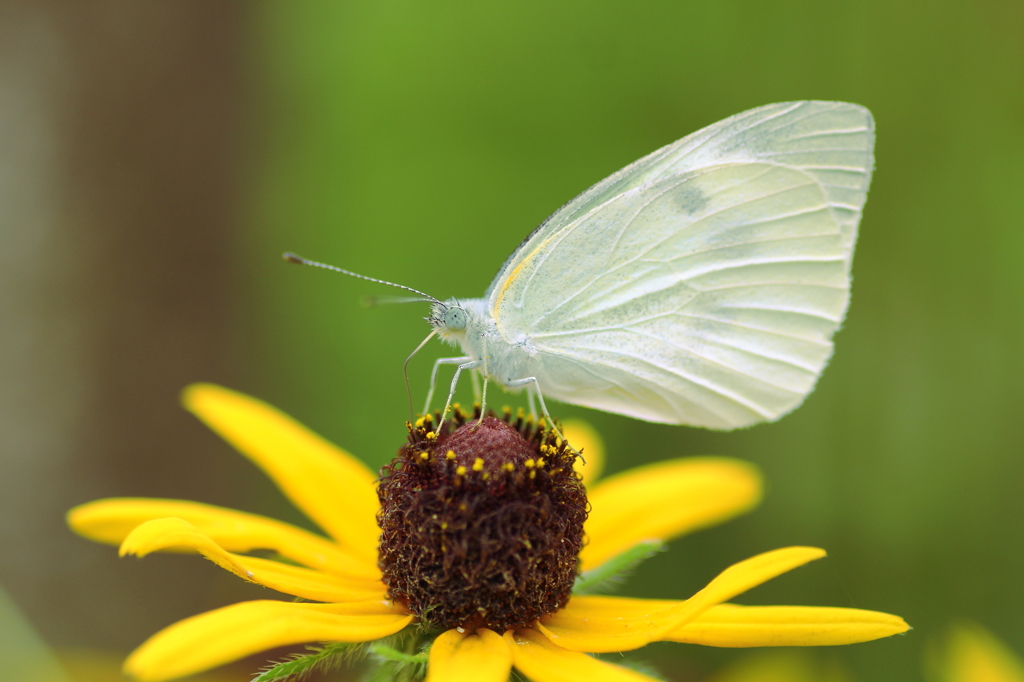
(700, 285)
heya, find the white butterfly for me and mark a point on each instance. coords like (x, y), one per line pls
(700, 285)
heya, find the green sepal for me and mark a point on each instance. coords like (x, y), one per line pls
(320, 659)
(612, 573)
(398, 666)
(392, 654)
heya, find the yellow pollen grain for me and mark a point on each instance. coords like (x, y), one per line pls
(540, 461)
(424, 456)
(508, 466)
(485, 476)
(506, 409)
(478, 464)
(461, 471)
(530, 464)
(444, 525)
(533, 474)
(431, 435)
(419, 422)
(450, 454)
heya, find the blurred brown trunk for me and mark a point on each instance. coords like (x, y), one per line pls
(120, 138)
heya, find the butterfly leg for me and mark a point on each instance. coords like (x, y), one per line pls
(433, 376)
(483, 402)
(519, 383)
(483, 398)
(455, 382)
(530, 403)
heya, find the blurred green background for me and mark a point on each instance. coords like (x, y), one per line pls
(162, 156)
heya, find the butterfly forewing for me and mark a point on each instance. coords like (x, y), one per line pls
(702, 284)
(833, 141)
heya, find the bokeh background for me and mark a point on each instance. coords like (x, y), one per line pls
(157, 158)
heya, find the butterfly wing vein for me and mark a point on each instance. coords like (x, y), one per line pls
(702, 284)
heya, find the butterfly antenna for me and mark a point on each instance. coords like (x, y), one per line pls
(374, 301)
(292, 258)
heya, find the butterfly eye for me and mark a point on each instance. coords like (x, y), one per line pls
(455, 319)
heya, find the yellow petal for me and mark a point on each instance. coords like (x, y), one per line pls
(728, 625)
(662, 501)
(741, 577)
(461, 657)
(542, 661)
(173, 533)
(605, 624)
(218, 637)
(585, 438)
(973, 654)
(332, 487)
(111, 520)
(601, 624)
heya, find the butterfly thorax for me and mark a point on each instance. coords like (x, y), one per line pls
(469, 325)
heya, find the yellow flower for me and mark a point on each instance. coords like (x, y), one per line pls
(973, 654)
(782, 665)
(340, 572)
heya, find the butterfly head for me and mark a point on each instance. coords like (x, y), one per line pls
(449, 319)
